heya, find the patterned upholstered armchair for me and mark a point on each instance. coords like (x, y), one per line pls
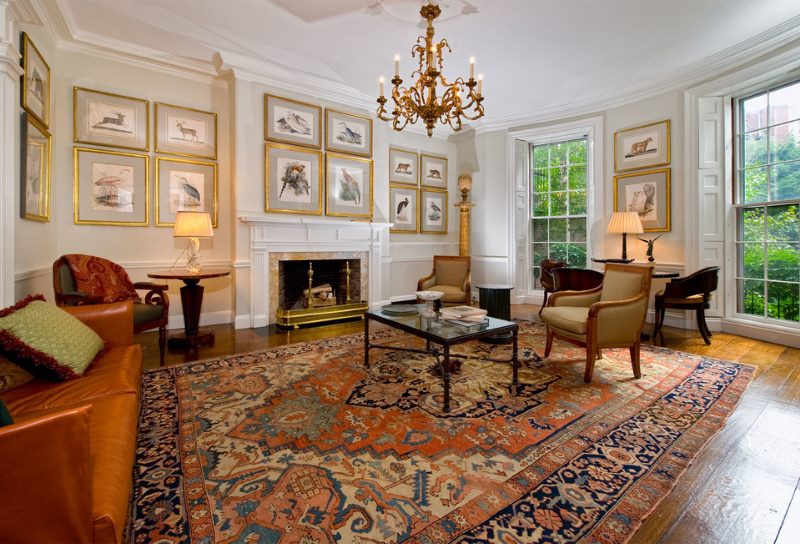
(84, 279)
(452, 276)
(609, 316)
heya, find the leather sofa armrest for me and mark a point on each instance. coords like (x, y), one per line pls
(47, 490)
(113, 322)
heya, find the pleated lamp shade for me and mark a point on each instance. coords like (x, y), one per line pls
(193, 225)
(625, 222)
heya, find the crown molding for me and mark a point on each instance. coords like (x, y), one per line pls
(694, 74)
(25, 12)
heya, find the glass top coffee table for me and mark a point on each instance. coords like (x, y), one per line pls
(439, 336)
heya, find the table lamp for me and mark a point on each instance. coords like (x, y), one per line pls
(624, 223)
(193, 225)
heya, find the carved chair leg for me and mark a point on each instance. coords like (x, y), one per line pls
(590, 353)
(635, 363)
(701, 324)
(660, 310)
(162, 342)
(544, 303)
(549, 345)
(599, 354)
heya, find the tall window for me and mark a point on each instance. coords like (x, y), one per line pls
(768, 203)
(558, 204)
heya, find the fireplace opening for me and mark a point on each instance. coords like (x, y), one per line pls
(318, 283)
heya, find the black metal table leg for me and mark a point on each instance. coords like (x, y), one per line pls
(515, 363)
(446, 378)
(366, 341)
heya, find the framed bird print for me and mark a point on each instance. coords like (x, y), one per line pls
(348, 133)
(640, 147)
(293, 179)
(35, 82)
(403, 166)
(35, 170)
(186, 132)
(348, 186)
(110, 188)
(184, 184)
(433, 170)
(403, 204)
(292, 122)
(110, 120)
(646, 193)
(433, 211)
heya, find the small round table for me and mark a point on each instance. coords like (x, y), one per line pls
(496, 300)
(192, 301)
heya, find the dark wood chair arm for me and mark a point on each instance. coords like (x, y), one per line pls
(150, 285)
(426, 278)
(597, 307)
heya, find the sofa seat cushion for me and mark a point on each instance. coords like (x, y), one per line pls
(451, 293)
(117, 370)
(568, 318)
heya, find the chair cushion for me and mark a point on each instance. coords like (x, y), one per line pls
(693, 300)
(451, 272)
(619, 285)
(47, 341)
(451, 293)
(569, 318)
(144, 313)
(98, 277)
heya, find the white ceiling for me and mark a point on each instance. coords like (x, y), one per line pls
(536, 55)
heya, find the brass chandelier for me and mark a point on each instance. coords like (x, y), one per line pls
(421, 100)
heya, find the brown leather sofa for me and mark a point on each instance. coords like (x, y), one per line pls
(68, 457)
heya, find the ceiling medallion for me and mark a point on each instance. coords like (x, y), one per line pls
(422, 99)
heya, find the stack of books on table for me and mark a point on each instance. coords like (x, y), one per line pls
(464, 315)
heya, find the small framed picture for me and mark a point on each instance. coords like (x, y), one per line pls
(186, 132)
(433, 211)
(403, 166)
(433, 169)
(110, 120)
(35, 82)
(37, 151)
(403, 209)
(185, 185)
(348, 133)
(348, 186)
(111, 188)
(648, 194)
(292, 122)
(644, 146)
(293, 179)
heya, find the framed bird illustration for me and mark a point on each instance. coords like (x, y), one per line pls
(403, 214)
(185, 185)
(348, 186)
(433, 211)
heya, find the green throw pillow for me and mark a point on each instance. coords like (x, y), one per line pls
(5, 416)
(47, 341)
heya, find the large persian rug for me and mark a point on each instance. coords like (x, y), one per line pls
(303, 444)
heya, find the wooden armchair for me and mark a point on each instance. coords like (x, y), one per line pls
(546, 277)
(576, 279)
(692, 292)
(609, 316)
(102, 281)
(452, 276)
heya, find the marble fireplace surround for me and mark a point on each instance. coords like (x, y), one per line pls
(274, 238)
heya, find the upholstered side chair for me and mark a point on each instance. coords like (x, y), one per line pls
(546, 267)
(84, 279)
(609, 316)
(452, 275)
(692, 292)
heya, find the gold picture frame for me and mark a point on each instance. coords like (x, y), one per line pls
(293, 179)
(403, 209)
(403, 166)
(110, 120)
(644, 146)
(347, 193)
(348, 133)
(292, 122)
(35, 82)
(110, 188)
(185, 184)
(36, 160)
(433, 170)
(433, 211)
(185, 132)
(649, 194)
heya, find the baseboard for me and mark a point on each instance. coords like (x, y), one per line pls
(774, 334)
(211, 318)
(242, 322)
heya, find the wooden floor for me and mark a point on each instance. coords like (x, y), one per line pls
(742, 488)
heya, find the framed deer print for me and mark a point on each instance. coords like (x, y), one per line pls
(184, 184)
(433, 211)
(110, 120)
(37, 146)
(292, 122)
(348, 186)
(403, 166)
(293, 179)
(644, 146)
(433, 170)
(403, 209)
(110, 188)
(35, 82)
(646, 193)
(348, 133)
(186, 132)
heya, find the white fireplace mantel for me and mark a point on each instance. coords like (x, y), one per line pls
(285, 234)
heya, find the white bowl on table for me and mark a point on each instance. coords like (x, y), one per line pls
(430, 297)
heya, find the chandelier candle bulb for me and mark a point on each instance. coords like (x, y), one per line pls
(472, 67)
(380, 81)
(480, 83)
(396, 66)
